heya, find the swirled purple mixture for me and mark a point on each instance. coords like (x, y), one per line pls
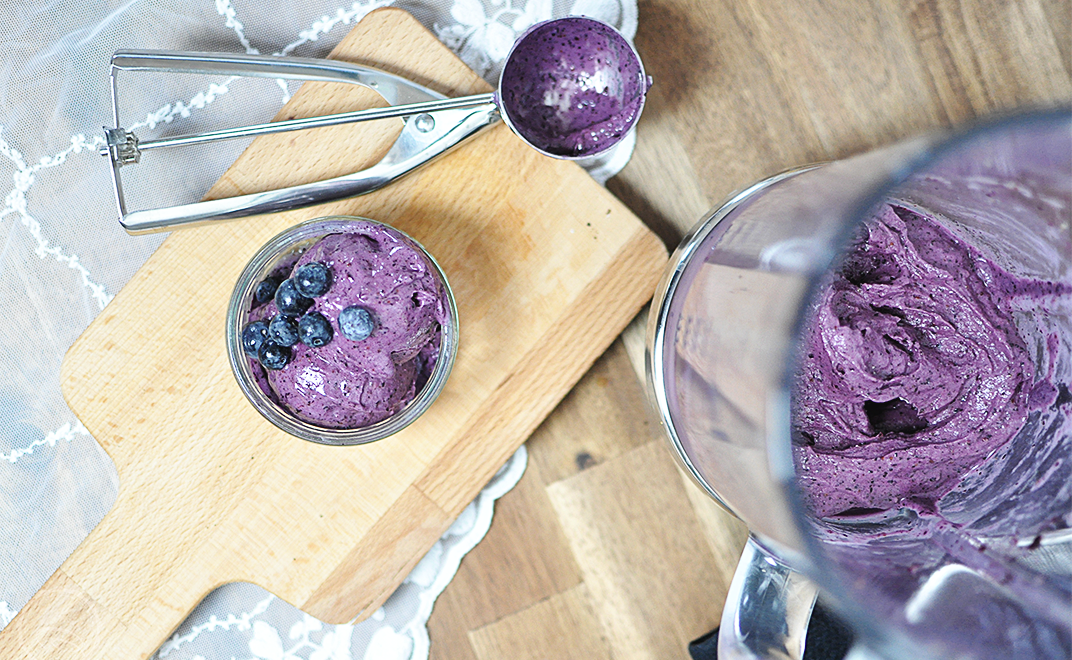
(351, 382)
(913, 371)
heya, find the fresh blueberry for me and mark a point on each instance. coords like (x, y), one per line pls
(266, 289)
(315, 330)
(313, 279)
(253, 335)
(273, 356)
(283, 329)
(356, 323)
(289, 301)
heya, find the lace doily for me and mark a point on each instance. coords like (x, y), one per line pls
(63, 256)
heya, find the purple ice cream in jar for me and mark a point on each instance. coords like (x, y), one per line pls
(342, 330)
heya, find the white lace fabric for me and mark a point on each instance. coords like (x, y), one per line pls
(63, 256)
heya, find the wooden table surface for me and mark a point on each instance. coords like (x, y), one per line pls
(604, 549)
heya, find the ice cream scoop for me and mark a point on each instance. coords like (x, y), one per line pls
(570, 88)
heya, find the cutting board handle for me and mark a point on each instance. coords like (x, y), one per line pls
(102, 603)
(106, 601)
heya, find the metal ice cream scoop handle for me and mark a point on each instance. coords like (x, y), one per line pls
(422, 139)
(433, 124)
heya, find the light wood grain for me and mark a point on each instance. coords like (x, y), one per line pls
(618, 528)
(547, 268)
(745, 89)
(527, 521)
(587, 428)
(620, 524)
(522, 637)
(524, 559)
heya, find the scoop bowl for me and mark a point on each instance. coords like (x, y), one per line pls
(572, 87)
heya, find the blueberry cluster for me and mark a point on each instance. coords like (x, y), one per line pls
(269, 342)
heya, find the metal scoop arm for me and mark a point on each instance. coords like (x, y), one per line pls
(423, 137)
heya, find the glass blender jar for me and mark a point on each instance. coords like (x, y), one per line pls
(985, 570)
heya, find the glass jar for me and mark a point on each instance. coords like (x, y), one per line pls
(281, 252)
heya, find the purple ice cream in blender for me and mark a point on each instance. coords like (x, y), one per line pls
(572, 87)
(912, 368)
(363, 340)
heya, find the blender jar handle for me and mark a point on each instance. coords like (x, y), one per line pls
(767, 609)
(767, 612)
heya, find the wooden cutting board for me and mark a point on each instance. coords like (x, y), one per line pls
(547, 268)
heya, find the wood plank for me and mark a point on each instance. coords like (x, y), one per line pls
(973, 72)
(524, 559)
(524, 519)
(773, 86)
(650, 571)
(589, 428)
(521, 637)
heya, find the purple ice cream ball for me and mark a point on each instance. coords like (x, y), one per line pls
(347, 384)
(572, 87)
